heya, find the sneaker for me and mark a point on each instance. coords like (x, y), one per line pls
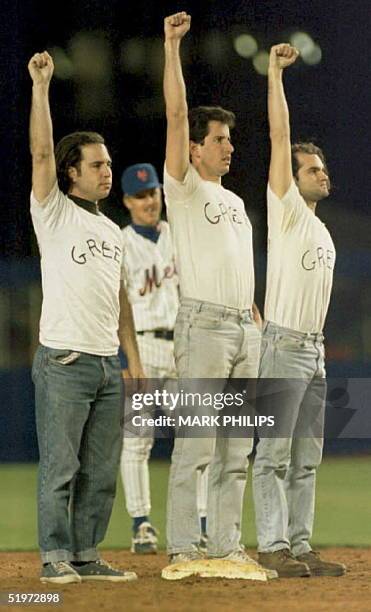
(59, 572)
(321, 568)
(183, 565)
(241, 555)
(101, 570)
(144, 541)
(285, 564)
(202, 545)
(194, 555)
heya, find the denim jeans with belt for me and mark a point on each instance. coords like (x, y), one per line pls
(78, 419)
(213, 342)
(284, 470)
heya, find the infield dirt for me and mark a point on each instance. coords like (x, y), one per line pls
(19, 572)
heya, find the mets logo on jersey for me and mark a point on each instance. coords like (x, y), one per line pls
(142, 175)
(152, 278)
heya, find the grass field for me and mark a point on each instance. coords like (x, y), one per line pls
(342, 514)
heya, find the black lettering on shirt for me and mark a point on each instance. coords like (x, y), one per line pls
(117, 254)
(106, 250)
(214, 213)
(318, 258)
(103, 249)
(92, 245)
(81, 258)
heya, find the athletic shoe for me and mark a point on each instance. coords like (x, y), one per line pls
(321, 568)
(194, 555)
(284, 563)
(241, 556)
(202, 545)
(59, 572)
(144, 541)
(101, 570)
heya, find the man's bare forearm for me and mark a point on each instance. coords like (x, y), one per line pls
(278, 112)
(41, 69)
(174, 85)
(41, 128)
(280, 170)
(177, 138)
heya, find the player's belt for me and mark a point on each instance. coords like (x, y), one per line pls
(165, 334)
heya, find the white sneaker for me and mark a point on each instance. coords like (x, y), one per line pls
(194, 555)
(241, 556)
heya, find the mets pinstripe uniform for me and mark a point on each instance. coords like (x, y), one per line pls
(152, 286)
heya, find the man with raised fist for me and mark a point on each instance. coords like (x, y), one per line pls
(301, 258)
(215, 336)
(76, 370)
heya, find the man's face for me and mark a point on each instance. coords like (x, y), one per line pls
(312, 179)
(213, 158)
(93, 179)
(145, 207)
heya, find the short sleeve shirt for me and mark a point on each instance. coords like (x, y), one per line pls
(212, 237)
(301, 260)
(81, 259)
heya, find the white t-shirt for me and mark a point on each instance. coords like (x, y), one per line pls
(301, 259)
(81, 258)
(212, 236)
(151, 279)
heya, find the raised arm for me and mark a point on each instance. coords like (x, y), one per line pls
(177, 140)
(41, 69)
(280, 169)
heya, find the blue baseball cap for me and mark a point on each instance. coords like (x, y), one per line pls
(139, 177)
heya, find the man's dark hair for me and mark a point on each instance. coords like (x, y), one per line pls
(310, 149)
(68, 153)
(200, 116)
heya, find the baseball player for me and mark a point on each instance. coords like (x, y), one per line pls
(152, 285)
(76, 370)
(301, 258)
(215, 333)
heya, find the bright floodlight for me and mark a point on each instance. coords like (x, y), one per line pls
(315, 56)
(63, 68)
(245, 45)
(91, 56)
(303, 42)
(261, 62)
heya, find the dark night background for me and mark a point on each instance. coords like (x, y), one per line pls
(328, 101)
(123, 101)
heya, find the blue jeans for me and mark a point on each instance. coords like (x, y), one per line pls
(78, 419)
(213, 342)
(284, 470)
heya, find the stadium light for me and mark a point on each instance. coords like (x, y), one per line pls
(303, 42)
(63, 67)
(261, 62)
(245, 45)
(315, 56)
(91, 56)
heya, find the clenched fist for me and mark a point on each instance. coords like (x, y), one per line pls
(282, 56)
(41, 68)
(176, 26)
